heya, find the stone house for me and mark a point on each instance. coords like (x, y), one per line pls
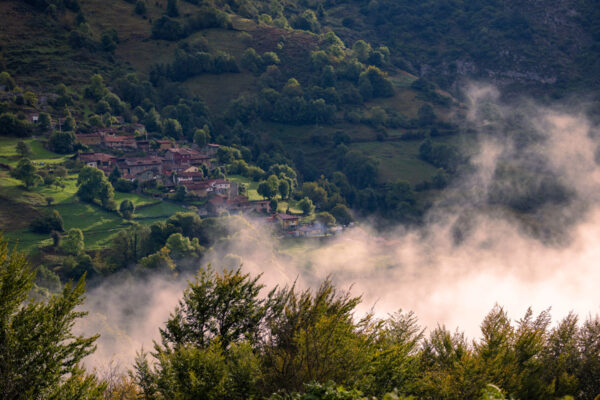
(102, 161)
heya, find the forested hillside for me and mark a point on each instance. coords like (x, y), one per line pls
(282, 95)
(145, 138)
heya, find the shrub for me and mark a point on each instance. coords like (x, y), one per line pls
(167, 29)
(47, 222)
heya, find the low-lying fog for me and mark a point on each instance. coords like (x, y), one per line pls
(482, 244)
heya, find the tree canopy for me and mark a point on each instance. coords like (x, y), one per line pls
(39, 353)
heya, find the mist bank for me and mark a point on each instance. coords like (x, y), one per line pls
(518, 226)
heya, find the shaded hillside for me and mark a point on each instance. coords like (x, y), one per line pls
(319, 86)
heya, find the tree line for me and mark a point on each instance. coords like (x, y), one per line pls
(231, 338)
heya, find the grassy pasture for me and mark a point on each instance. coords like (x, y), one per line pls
(19, 206)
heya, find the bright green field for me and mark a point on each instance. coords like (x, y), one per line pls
(252, 194)
(39, 154)
(398, 160)
(20, 206)
(161, 210)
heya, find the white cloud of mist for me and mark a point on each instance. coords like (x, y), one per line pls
(469, 256)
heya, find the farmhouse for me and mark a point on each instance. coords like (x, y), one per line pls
(236, 204)
(89, 139)
(164, 144)
(133, 166)
(119, 142)
(287, 221)
(260, 206)
(189, 175)
(198, 189)
(198, 160)
(313, 230)
(212, 186)
(102, 161)
(180, 155)
(210, 149)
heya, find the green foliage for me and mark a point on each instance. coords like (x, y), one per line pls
(315, 193)
(96, 90)
(322, 391)
(202, 373)
(217, 309)
(124, 185)
(306, 205)
(284, 188)
(226, 155)
(492, 392)
(172, 128)
(127, 208)
(152, 121)
(315, 339)
(47, 279)
(180, 193)
(201, 137)
(172, 8)
(73, 242)
(93, 185)
(225, 340)
(166, 28)
(82, 38)
(62, 142)
(69, 124)
(10, 125)
(306, 21)
(326, 218)
(180, 247)
(208, 17)
(25, 171)
(129, 246)
(116, 105)
(270, 58)
(252, 61)
(47, 222)
(44, 121)
(107, 42)
(39, 353)
(381, 86)
(342, 214)
(114, 175)
(140, 7)
(399, 201)
(269, 188)
(440, 155)
(7, 80)
(361, 170)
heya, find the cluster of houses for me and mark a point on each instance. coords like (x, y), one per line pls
(164, 161)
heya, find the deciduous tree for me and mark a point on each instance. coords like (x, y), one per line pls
(23, 149)
(127, 208)
(73, 243)
(39, 353)
(25, 172)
